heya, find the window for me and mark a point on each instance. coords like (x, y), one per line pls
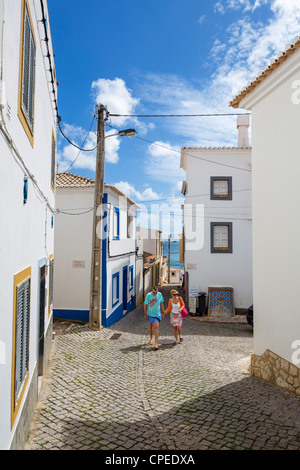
(51, 269)
(221, 237)
(130, 226)
(116, 224)
(22, 283)
(130, 278)
(115, 289)
(53, 154)
(27, 73)
(221, 188)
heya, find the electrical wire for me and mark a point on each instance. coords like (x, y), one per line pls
(183, 198)
(82, 145)
(72, 143)
(194, 156)
(58, 211)
(179, 115)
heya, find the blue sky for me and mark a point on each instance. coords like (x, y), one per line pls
(159, 57)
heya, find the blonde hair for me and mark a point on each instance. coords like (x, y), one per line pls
(173, 291)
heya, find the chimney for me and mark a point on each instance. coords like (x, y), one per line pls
(243, 123)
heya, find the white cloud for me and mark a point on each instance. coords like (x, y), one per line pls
(119, 99)
(246, 5)
(164, 163)
(247, 47)
(116, 97)
(129, 190)
(112, 146)
(68, 154)
(202, 19)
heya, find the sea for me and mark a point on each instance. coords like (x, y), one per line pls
(174, 253)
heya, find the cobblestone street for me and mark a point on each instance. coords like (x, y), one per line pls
(105, 393)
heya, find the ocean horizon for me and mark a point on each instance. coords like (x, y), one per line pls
(174, 253)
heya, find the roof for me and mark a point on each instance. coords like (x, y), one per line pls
(114, 188)
(69, 180)
(213, 148)
(275, 63)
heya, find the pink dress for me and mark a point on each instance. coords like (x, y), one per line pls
(175, 315)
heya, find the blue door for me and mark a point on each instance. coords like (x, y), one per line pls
(125, 288)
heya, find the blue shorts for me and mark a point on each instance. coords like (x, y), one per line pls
(153, 319)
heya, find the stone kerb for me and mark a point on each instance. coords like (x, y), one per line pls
(276, 370)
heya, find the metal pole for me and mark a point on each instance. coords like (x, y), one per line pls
(96, 270)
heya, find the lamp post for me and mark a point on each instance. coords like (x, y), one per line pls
(96, 270)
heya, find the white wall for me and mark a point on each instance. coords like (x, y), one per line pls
(26, 235)
(116, 265)
(220, 269)
(151, 239)
(276, 196)
(73, 242)
(148, 280)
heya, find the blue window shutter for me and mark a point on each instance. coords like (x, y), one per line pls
(25, 190)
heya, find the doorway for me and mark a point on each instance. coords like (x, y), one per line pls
(42, 304)
(125, 288)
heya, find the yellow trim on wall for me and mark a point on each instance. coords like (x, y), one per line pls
(22, 117)
(50, 307)
(18, 279)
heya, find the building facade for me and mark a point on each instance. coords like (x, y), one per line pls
(274, 100)
(154, 266)
(27, 153)
(73, 250)
(217, 221)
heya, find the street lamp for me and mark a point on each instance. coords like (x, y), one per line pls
(96, 267)
(124, 133)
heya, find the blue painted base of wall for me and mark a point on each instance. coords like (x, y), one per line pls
(118, 313)
(76, 315)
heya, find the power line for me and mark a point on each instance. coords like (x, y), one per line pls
(58, 211)
(193, 156)
(183, 199)
(180, 115)
(82, 145)
(75, 145)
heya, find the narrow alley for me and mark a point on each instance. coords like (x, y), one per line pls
(110, 390)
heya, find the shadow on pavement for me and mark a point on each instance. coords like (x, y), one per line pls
(248, 414)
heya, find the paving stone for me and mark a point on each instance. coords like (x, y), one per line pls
(109, 395)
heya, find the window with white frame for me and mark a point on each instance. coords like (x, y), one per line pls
(221, 237)
(116, 223)
(221, 188)
(131, 277)
(115, 289)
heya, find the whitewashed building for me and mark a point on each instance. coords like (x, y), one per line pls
(154, 268)
(73, 251)
(274, 100)
(27, 159)
(217, 221)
